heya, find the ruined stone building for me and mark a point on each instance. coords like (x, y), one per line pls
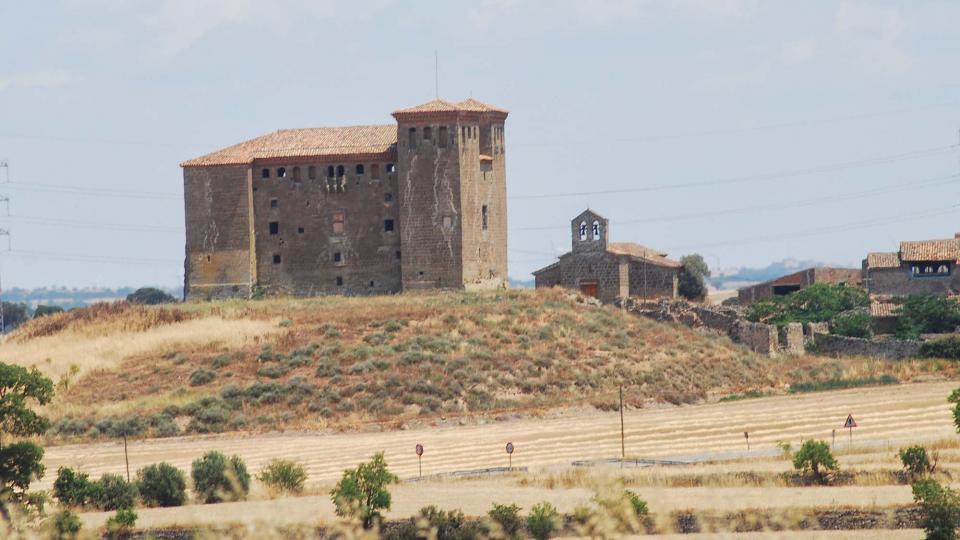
(798, 280)
(419, 204)
(609, 270)
(921, 267)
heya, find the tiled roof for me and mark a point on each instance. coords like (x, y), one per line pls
(437, 105)
(884, 309)
(883, 260)
(642, 252)
(931, 250)
(443, 106)
(471, 104)
(309, 142)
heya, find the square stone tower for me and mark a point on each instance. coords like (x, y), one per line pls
(452, 195)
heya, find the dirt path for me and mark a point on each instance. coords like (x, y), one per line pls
(890, 414)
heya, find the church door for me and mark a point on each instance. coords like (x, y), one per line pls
(589, 288)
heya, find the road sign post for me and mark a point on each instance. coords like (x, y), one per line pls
(850, 424)
(833, 438)
(419, 461)
(746, 436)
(510, 454)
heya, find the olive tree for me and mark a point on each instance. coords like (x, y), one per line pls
(20, 461)
(362, 491)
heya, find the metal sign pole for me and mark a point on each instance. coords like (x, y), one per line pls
(746, 436)
(623, 448)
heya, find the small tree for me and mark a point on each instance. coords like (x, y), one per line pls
(927, 314)
(43, 311)
(121, 524)
(507, 516)
(217, 479)
(150, 296)
(113, 492)
(543, 521)
(858, 325)
(162, 484)
(21, 461)
(14, 314)
(954, 398)
(916, 462)
(362, 492)
(66, 525)
(691, 283)
(282, 475)
(73, 489)
(814, 458)
(939, 508)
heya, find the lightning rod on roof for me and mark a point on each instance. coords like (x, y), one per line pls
(436, 73)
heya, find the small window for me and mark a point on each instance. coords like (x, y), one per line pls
(397, 255)
(596, 230)
(375, 171)
(442, 137)
(943, 269)
(281, 172)
(274, 228)
(371, 284)
(427, 133)
(299, 230)
(312, 172)
(330, 171)
(583, 230)
(387, 197)
(276, 258)
(340, 171)
(388, 225)
(337, 257)
(208, 257)
(296, 174)
(463, 132)
(483, 217)
(339, 281)
(274, 203)
(391, 168)
(338, 223)
(420, 274)
(359, 168)
(412, 137)
(264, 173)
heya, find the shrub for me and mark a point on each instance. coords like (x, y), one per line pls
(916, 462)
(814, 458)
(543, 521)
(948, 347)
(202, 376)
(150, 296)
(507, 516)
(121, 524)
(693, 270)
(283, 476)
(362, 491)
(448, 524)
(217, 478)
(73, 488)
(939, 509)
(66, 525)
(162, 484)
(43, 311)
(273, 371)
(927, 314)
(638, 505)
(858, 325)
(819, 302)
(112, 492)
(955, 399)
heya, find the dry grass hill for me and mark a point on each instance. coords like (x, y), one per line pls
(384, 363)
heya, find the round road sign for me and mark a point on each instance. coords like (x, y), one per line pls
(419, 449)
(509, 447)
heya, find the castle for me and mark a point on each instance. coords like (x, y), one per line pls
(420, 204)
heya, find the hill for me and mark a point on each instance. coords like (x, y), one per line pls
(379, 363)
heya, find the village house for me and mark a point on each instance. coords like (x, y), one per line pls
(796, 281)
(919, 267)
(609, 270)
(417, 204)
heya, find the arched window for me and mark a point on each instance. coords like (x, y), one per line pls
(359, 168)
(596, 230)
(312, 172)
(330, 171)
(427, 133)
(412, 137)
(928, 269)
(943, 269)
(583, 230)
(391, 168)
(340, 171)
(296, 174)
(442, 137)
(281, 172)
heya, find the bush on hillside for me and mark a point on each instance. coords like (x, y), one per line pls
(939, 509)
(66, 525)
(507, 516)
(543, 521)
(814, 460)
(121, 524)
(43, 311)
(927, 314)
(819, 302)
(150, 296)
(202, 376)
(217, 478)
(858, 325)
(283, 476)
(162, 484)
(14, 314)
(948, 347)
(115, 493)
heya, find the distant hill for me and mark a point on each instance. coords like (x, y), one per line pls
(68, 298)
(733, 278)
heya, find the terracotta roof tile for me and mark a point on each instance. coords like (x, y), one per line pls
(309, 142)
(883, 260)
(884, 309)
(437, 105)
(473, 105)
(931, 250)
(642, 252)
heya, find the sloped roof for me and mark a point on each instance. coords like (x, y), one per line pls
(883, 260)
(308, 142)
(440, 106)
(930, 250)
(644, 253)
(884, 309)
(436, 105)
(471, 104)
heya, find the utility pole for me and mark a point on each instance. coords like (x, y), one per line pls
(3, 323)
(623, 447)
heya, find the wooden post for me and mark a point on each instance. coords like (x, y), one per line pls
(623, 447)
(420, 467)
(126, 457)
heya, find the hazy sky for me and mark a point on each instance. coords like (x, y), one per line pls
(749, 131)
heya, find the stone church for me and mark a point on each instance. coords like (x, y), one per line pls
(609, 270)
(418, 204)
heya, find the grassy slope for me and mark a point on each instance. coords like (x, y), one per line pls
(349, 362)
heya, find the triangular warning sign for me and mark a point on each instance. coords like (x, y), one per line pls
(850, 423)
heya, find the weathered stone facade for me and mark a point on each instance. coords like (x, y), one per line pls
(922, 267)
(798, 280)
(356, 210)
(606, 270)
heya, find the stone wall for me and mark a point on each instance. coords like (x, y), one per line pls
(758, 337)
(791, 339)
(893, 349)
(900, 282)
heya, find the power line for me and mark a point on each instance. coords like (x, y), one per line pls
(29, 254)
(97, 192)
(56, 222)
(883, 160)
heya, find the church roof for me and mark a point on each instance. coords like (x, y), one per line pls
(643, 253)
(307, 142)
